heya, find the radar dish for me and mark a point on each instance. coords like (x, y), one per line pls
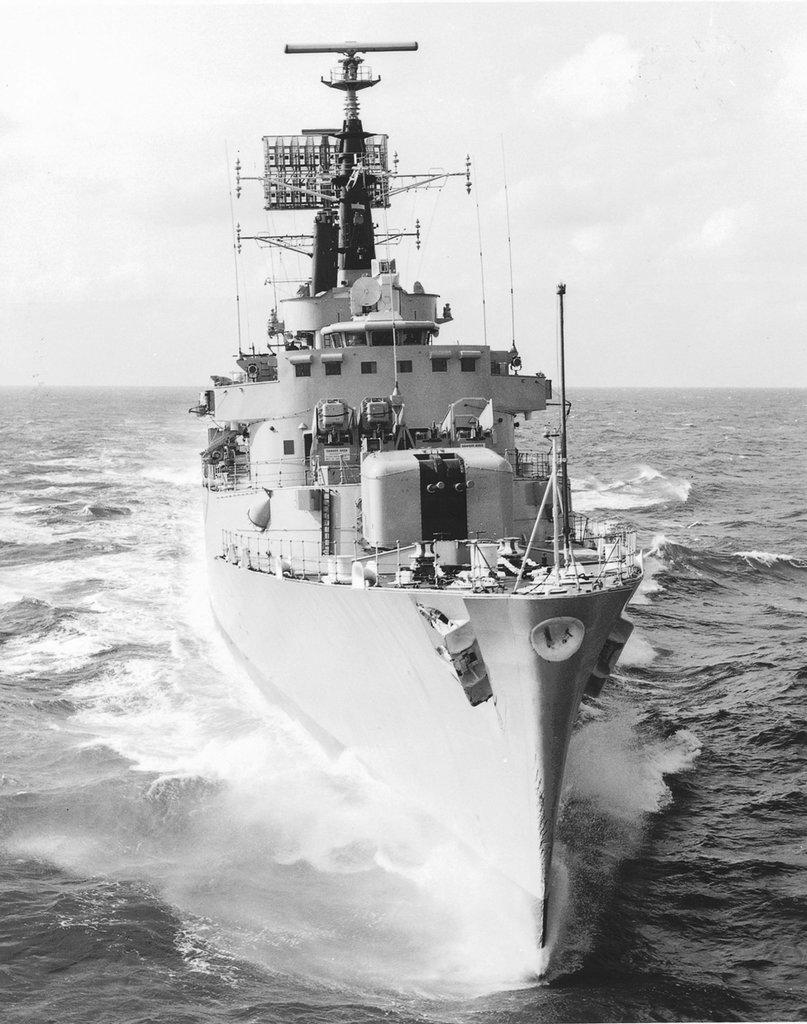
(366, 291)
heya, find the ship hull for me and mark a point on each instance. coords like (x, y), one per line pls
(365, 668)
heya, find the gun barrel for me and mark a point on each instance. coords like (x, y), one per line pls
(348, 47)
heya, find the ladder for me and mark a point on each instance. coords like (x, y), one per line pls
(326, 521)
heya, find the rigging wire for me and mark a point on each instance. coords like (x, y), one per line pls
(427, 232)
(392, 308)
(481, 265)
(557, 353)
(509, 245)
(248, 332)
(407, 258)
(246, 308)
(271, 260)
(235, 246)
(271, 342)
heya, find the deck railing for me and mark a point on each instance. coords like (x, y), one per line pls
(262, 473)
(615, 560)
(311, 472)
(529, 464)
(285, 473)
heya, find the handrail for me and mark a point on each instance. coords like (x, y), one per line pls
(529, 464)
(302, 558)
(261, 473)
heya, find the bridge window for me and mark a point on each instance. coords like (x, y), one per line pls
(439, 365)
(302, 370)
(404, 366)
(381, 337)
(468, 364)
(369, 367)
(333, 369)
(412, 336)
(354, 338)
(335, 340)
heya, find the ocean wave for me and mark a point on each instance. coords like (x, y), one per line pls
(202, 957)
(638, 652)
(792, 801)
(62, 549)
(780, 737)
(183, 476)
(770, 558)
(681, 562)
(645, 489)
(29, 615)
(105, 511)
(60, 650)
(611, 763)
(16, 531)
(55, 480)
(617, 779)
(649, 586)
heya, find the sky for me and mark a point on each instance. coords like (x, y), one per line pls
(654, 157)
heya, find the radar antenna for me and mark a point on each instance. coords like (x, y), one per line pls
(351, 79)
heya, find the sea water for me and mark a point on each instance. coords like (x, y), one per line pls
(175, 848)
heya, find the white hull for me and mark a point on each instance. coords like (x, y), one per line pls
(361, 665)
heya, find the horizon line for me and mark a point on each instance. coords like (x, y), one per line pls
(577, 387)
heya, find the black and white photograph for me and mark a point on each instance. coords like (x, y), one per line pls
(403, 512)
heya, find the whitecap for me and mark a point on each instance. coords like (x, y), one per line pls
(184, 476)
(647, 487)
(769, 558)
(23, 531)
(652, 563)
(609, 763)
(637, 652)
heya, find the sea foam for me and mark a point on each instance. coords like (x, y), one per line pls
(647, 487)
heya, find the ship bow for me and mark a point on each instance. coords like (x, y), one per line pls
(541, 653)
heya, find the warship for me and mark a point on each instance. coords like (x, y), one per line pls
(381, 554)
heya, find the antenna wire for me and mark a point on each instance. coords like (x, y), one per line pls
(509, 245)
(481, 266)
(235, 247)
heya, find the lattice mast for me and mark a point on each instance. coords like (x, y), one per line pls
(354, 179)
(343, 174)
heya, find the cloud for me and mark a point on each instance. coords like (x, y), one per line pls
(595, 83)
(716, 232)
(789, 99)
(588, 240)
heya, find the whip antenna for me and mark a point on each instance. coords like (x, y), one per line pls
(563, 411)
(235, 249)
(482, 270)
(392, 310)
(509, 249)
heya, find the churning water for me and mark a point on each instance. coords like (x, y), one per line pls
(174, 848)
